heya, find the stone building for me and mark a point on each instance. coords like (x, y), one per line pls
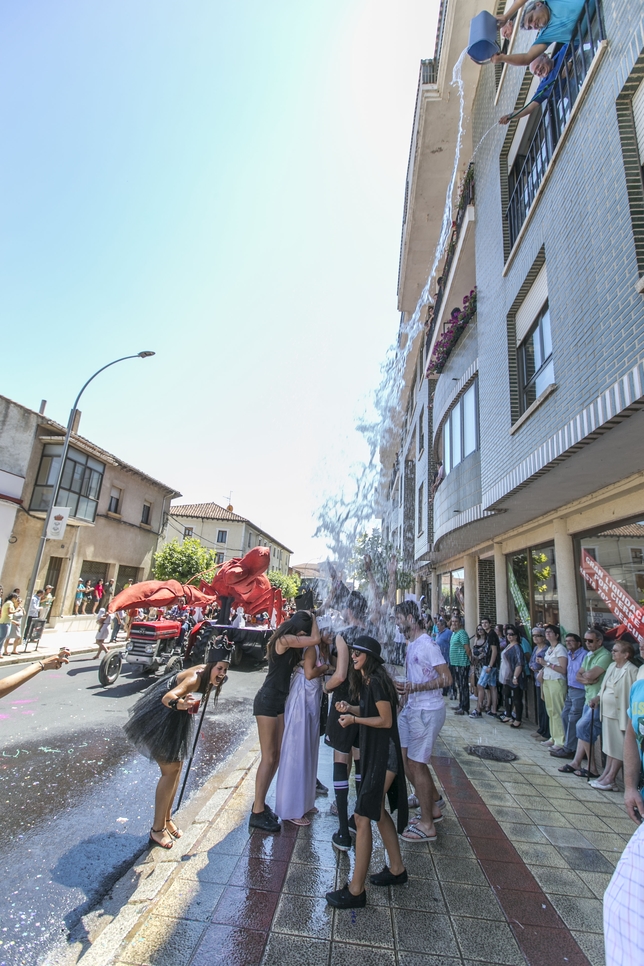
(227, 533)
(531, 394)
(117, 512)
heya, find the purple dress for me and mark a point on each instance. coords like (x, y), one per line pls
(295, 791)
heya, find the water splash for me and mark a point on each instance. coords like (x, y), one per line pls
(489, 130)
(341, 518)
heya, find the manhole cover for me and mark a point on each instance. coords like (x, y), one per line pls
(490, 753)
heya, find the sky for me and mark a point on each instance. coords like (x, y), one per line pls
(221, 183)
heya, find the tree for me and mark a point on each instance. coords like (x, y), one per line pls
(372, 546)
(182, 561)
(288, 584)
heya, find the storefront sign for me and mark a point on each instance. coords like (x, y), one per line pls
(621, 605)
(519, 602)
(57, 523)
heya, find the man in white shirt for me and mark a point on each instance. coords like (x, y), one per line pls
(34, 611)
(422, 718)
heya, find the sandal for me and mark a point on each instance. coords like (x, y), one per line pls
(515, 724)
(584, 773)
(567, 769)
(175, 832)
(167, 845)
(300, 822)
(504, 719)
(414, 834)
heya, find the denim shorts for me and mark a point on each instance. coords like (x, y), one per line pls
(583, 725)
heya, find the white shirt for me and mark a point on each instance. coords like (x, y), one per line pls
(34, 607)
(423, 657)
(552, 656)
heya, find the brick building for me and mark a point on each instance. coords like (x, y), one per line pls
(532, 398)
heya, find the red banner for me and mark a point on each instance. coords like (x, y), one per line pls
(626, 610)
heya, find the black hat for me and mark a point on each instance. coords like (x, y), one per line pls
(220, 651)
(368, 645)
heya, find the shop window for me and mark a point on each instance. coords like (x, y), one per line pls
(80, 484)
(222, 536)
(532, 582)
(460, 429)
(421, 496)
(146, 513)
(452, 591)
(126, 575)
(613, 591)
(535, 365)
(115, 500)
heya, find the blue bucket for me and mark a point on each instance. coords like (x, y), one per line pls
(482, 44)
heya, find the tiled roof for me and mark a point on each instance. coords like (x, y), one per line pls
(629, 530)
(206, 511)
(212, 511)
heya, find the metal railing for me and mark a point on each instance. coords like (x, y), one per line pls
(428, 71)
(466, 198)
(587, 36)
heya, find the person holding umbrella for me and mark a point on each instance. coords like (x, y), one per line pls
(161, 726)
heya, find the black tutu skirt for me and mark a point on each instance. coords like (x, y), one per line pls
(160, 733)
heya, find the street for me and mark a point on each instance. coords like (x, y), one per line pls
(78, 800)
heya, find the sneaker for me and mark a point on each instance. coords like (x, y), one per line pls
(264, 822)
(273, 815)
(343, 899)
(320, 789)
(334, 809)
(341, 843)
(459, 711)
(386, 878)
(475, 714)
(352, 825)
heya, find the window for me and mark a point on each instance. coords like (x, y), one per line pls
(637, 556)
(145, 513)
(188, 532)
(115, 500)
(250, 540)
(421, 431)
(421, 494)
(219, 557)
(534, 362)
(460, 430)
(80, 484)
(222, 536)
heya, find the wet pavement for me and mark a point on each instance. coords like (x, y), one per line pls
(78, 800)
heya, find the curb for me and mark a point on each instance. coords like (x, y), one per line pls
(31, 656)
(136, 894)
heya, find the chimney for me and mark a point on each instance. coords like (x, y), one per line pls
(43, 406)
(77, 419)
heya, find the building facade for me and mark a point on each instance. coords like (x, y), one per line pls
(225, 532)
(116, 517)
(532, 355)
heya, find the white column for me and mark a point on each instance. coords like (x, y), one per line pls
(435, 593)
(566, 577)
(500, 585)
(471, 593)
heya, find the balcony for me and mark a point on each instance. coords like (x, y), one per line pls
(575, 69)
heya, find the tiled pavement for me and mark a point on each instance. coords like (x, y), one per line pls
(517, 875)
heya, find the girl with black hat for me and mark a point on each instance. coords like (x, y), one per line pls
(161, 726)
(382, 771)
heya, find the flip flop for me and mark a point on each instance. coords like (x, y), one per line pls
(300, 822)
(584, 773)
(414, 834)
(567, 769)
(435, 819)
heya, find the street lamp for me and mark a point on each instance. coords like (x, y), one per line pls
(54, 496)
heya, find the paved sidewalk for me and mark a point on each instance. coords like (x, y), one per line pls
(517, 875)
(78, 642)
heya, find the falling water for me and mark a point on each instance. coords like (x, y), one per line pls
(341, 518)
(493, 128)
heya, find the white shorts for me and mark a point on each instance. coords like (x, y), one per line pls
(419, 729)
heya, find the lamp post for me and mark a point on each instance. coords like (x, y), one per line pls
(54, 495)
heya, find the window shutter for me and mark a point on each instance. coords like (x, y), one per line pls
(531, 305)
(638, 114)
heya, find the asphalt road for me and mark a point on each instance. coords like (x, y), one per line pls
(78, 801)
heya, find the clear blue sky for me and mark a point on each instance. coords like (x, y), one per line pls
(221, 183)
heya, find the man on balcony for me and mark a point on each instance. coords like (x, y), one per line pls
(554, 20)
(547, 68)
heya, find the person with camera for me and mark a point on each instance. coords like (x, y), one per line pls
(52, 663)
(161, 726)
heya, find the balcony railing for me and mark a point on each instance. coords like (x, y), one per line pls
(428, 71)
(465, 198)
(589, 32)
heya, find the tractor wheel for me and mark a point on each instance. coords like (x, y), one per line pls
(110, 668)
(174, 665)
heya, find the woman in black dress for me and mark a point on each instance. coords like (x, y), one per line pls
(284, 652)
(161, 726)
(383, 771)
